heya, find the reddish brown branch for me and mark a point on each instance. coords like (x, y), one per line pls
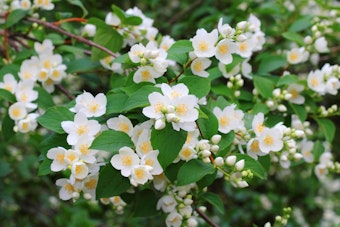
(73, 19)
(64, 91)
(206, 218)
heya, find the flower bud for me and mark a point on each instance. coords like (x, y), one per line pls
(298, 156)
(219, 161)
(171, 117)
(282, 108)
(237, 93)
(202, 209)
(214, 148)
(192, 222)
(188, 201)
(242, 184)
(239, 165)
(216, 139)
(87, 196)
(242, 25)
(75, 195)
(159, 124)
(206, 159)
(90, 30)
(270, 103)
(299, 133)
(206, 153)
(241, 38)
(277, 92)
(307, 40)
(230, 160)
(170, 109)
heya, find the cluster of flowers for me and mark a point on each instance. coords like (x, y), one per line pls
(27, 4)
(46, 68)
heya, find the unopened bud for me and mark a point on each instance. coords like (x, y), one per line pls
(282, 108)
(216, 139)
(214, 148)
(239, 165)
(230, 160)
(219, 161)
(159, 124)
(298, 156)
(241, 38)
(242, 184)
(87, 196)
(299, 133)
(242, 25)
(307, 40)
(171, 117)
(206, 153)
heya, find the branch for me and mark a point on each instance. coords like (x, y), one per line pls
(180, 74)
(76, 37)
(64, 91)
(206, 218)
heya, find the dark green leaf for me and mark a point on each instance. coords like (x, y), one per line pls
(54, 140)
(111, 182)
(207, 180)
(80, 5)
(45, 167)
(179, 51)
(226, 141)
(15, 16)
(53, 117)
(264, 86)
(215, 200)
(237, 59)
(287, 79)
(5, 168)
(81, 65)
(318, 149)
(116, 103)
(301, 23)
(44, 100)
(7, 128)
(327, 127)
(300, 111)
(111, 141)
(197, 85)
(146, 204)
(208, 126)
(140, 97)
(172, 170)
(6, 95)
(260, 108)
(169, 142)
(253, 165)
(193, 171)
(133, 20)
(271, 62)
(118, 12)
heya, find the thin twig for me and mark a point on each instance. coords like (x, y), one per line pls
(73, 19)
(63, 90)
(180, 74)
(206, 218)
(76, 37)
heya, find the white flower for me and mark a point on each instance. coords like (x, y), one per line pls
(321, 45)
(143, 144)
(46, 47)
(295, 90)
(136, 53)
(89, 30)
(89, 105)
(46, 4)
(112, 19)
(245, 48)
(257, 124)
(28, 124)
(58, 156)
(270, 140)
(71, 156)
(140, 174)
(17, 111)
(166, 43)
(25, 93)
(120, 123)
(82, 145)
(150, 159)
(253, 149)
(224, 50)
(90, 185)
(321, 170)
(332, 85)
(239, 165)
(179, 90)
(199, 65)
(158, 103)
(79, 127)
(186, 112)
(204, 43)
(79, 170)
(125, 161)
(224, 29)
(187, 153)
(306, 150)
(9, 83)
(316, 82)
(146, 74)
(228, 118)
(67, 189)
(167, 203)
(174, 219)
(297, 55)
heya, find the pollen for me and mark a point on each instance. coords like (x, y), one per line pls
(293, 57)
(158, 107)
(243, 46)
(203, 46)
(182, 109)
(139, 173)
(47, 64)
(81, 130)
(146, 75)
(145, 147)
(224, 120)
(269, 140)
(186, 153)
(60, 158)
(91, 184)
(123, 127)
(255, 146)
(25, 126)
(84, 149)
(127, 161)
(223, 49)
(149, 162)
(294, 93)
(79, 169)
(69, 188)
(27, 75)
(259, 128)
(16, 112)
(93, 107)
(314, 82)
(198, 66)
(8, 88)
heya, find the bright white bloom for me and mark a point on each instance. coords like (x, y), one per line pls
(140, 174)
(316, 82)
(150, 159)
(46, 47)
(17, 111)
(224, 50)
(321, 45)
(28, 124)
(120, 123)
(57, 73)
(204, 43)
(25, 93)
(167, 203)
(136, 53)
(67, 189)
(295, 90)
(146, 74)
(89, 105)
(297, 55)
(284, 161)
(108, 63)
(58, 156)
(44, 4)
(166, 43)
(257, 124)
(79, 170)
(179, 90)
(332, 85)
(90, 185)
(158, 103)
(186, 113)
(143, 144)
(83, 144)
(228, 118)
(270, 140)
(112, 19)
(245, 48)
(187, 153)
(174, 219)
(125, 161)
(9, 83)
(138, 130)
(306, 150)
(71, 156)
(253, 149)
(321, 170)
(224, 29)
(79, 127)
(199, 65)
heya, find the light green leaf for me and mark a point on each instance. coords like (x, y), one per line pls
(299, 110)
(318, 149)
(287, 79)
(207, 180)
(116, 103)
(15, 16)
(237, 59)
(264, 86)
(208, 126)
(197, 86)
(111, 141)
(54, 140)
(81, 65)
(111, 182)
(45, 100)
(293, 36)
(301, 23)
(140, 97)
(226, 141)
(260, 108)
(270, 63)
(53, 117)
(169, 143)
(215, 200)
(45, 167)
(253, 165)
(193, 171)
(179, 51)
(327, 127)
(6, 95)
(133, 20)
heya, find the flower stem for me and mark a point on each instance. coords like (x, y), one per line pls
(206, 218)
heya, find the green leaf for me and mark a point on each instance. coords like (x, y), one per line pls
(207, 180)
(5, 168)
(6, 95)
(81, 65)
(318, 149)
(208, 126)
(44, 100)
(53, 117)
(145, 204)
(293, 36)
(80, 5)
(299, 110)
(11, 68)
(270, 63)
(179, 51)
(15, 16)
(140, 97)
(301, 23)
(45, 167)
(265, 162)
(133, 20)
(264, 86)
(260, 108)
(237, 59)
(116, 103)
(253, 165)
(172, 170)
(169, 142)
(54, 140)
(215, 200)
(226, 141)
(197, 86)
(327, 127)
(287, 79)
(7, 128)
(193, 171)
(111, 182)
(107, 37)
(111, 141)
(118, 12)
